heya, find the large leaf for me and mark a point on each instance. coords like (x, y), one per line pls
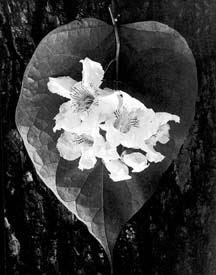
(156, 66)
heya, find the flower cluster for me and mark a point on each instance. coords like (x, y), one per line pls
(107, 124)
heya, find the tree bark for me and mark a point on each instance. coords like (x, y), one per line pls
(175, 231)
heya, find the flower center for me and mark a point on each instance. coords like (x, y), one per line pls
(85, 103)
(125, 120)
(83, 99)
(79, 139)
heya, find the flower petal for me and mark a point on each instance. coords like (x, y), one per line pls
(67, 118)
(131, 103)
(154, 156)
(118, 170)
(135, 160)
(105, 91)
(87, 160)
(107, 105)
(61, 85)
(151, 154)
(89, 125)
(92, 73)
(67, 148)
(162, 135)
(164, 117)
(113, 136)
(148, 122)
(103, 149)
(146, 126)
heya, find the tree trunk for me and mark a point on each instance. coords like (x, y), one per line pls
(175, 231)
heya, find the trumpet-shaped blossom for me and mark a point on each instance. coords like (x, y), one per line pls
(72, 146)
(118, 170)
(135, 126)
(107, 124)
(85, 97)
(136, 160)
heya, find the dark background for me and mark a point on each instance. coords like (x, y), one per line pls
(175, 231)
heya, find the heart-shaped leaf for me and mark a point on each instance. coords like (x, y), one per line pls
(156, 66)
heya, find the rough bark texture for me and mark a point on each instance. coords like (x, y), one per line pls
(175, 232)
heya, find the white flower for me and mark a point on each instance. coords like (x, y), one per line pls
(107, 124)
(61, 85)
(118, 170)
(85, 97)
(104, 150)
(135, 126)
(135, 160)
(92, 74)
(151, 154)
(161, 136)
(129, 127)
(72, 146)
(66, 119)
(132, 122)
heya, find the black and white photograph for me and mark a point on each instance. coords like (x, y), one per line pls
(108, 137)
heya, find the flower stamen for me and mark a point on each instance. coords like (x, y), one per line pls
(125, 120)
(134, 122)
(79, 139)
(83, 99)
(117, 114)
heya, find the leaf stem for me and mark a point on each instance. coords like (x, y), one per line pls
(114, 22)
